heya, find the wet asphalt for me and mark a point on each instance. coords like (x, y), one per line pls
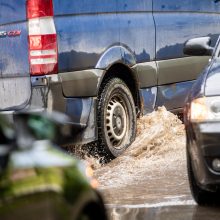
(181, 212)
(150, 180)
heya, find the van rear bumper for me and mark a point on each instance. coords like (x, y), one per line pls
(47, 95)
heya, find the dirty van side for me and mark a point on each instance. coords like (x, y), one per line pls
(15, 87)
(103, 63)
(95, 66)
(176, 23)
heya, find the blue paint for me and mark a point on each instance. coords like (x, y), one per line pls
(79, 109)
(179, 21)
(148, 97)
(137, 32)
(174, 95)
(110, 56)
(186, 5)
(83, 37)
(14, 51)
(12, 11)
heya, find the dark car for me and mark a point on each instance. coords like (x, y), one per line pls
(38, 180)
(101, 62)
(202, 122)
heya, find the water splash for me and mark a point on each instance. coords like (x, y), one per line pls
(160, 141)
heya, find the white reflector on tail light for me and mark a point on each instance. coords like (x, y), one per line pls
(42, 37)
(42, 52)
(41, 25)
(43, 61)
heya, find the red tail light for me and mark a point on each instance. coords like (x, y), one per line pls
(42, 37)
(39, 8)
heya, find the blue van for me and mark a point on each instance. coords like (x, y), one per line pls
(102, 62)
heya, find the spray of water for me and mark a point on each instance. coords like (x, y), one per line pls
(160, 141)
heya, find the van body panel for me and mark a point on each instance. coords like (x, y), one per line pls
(172, 96)
(148, 98)
(175, 28)
(115, 54)
(137, 28)
(15, 83)
(147, 74)
(180, 69)
(175, 24)
(94, 35)
(78, 79)
(187, 6)
(82, 7)
(137, 32)
(134, 6)
(12, 11)
(83, 39)
(82, 33)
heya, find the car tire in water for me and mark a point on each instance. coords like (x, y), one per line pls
(201, 196)
(116, 118)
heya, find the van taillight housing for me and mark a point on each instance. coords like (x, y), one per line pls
(42, 38)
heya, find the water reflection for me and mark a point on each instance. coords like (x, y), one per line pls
(189, 212)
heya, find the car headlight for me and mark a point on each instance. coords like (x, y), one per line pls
(205, 109)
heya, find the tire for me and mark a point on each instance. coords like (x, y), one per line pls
(116, 118)
(201, 196)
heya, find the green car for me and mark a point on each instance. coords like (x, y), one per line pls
(37, 179)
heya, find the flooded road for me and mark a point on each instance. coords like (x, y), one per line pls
(153, 169)
(184, 212)
(149, 181)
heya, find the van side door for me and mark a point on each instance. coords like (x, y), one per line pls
(177, 21)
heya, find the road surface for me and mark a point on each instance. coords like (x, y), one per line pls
(149, 181)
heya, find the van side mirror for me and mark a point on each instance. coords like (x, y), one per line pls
(198, 47)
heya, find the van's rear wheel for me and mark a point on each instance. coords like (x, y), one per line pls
(116, 118)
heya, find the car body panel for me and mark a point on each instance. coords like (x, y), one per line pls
(203, 136)
(213, 79)
(202, 147)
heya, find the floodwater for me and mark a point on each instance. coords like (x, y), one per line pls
(149, 181)
(184, 212)
(139, 176)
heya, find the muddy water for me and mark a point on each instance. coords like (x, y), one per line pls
(152, 170)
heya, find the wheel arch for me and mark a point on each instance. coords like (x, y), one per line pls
(129, 76)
